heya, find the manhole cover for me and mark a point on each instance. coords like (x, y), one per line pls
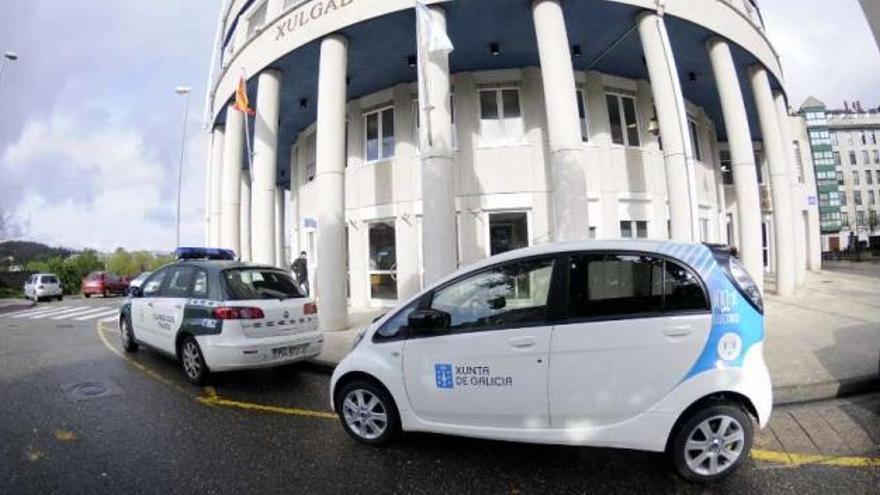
(90, 390)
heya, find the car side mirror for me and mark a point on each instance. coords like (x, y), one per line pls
(135, 292)
(428, 319)
(499, 302)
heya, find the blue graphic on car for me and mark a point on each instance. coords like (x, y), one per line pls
(443, 375)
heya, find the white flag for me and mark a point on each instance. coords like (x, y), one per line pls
(432, 35)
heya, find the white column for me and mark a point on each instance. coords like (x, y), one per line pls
(742, 155)
(214, 206)
(265, 173)
(677, 149)
(246, 216)
(230, 201)
(568, 181)
(331, 183)
(775, 151)
(209, 182)
(280, 255)
(797, 199)
(438, 172)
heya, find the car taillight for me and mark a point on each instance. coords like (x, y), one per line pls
(238, 313)
(310, 309)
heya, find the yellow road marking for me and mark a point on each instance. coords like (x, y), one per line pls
(210, 397)
(793, 459)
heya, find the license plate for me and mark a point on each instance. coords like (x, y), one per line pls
(290, 351)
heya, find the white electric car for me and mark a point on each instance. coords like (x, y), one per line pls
(215, 314)
(644, 345)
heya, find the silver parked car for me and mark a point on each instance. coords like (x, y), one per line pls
(43, 286)
(137, 281)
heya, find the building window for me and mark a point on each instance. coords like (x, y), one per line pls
(379, 134)
(849, 139)
(623, 119)
(842, 199)
(799, 161)
(855, 177)
(634, 229)
(583, 115)
(704, 229)
(695, 140)
(257, 20)
(860, 218)
(501, 116)
(834, 138)
(866, 159)
(857, 198)
(311, 150)
(726, 167)
(508, 231)
(864, 137)
(873, 137)
(869, 179)
(383, 260)
(759, 166)
(837, 158)
(852, 158)
(871, 198)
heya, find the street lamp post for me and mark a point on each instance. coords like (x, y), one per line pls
(185, 92)
(11, 56)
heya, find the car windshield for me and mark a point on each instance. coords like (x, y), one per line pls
(260, 283)
(142, 277)
(95, 276)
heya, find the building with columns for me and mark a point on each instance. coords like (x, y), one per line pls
(551, 120)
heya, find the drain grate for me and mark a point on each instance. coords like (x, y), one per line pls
(90, 390)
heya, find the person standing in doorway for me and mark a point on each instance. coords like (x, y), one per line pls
(300, 268)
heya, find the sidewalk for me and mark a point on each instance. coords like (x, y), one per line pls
(823, 342)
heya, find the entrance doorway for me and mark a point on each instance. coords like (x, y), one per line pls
(508, 231)
(383, 261)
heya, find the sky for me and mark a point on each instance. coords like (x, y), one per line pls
(91, 129)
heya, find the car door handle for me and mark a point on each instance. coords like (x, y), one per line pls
(677, 331)
(522, 342)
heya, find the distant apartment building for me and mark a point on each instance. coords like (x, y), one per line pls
(845, 145)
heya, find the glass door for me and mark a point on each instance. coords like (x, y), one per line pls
(383, 261)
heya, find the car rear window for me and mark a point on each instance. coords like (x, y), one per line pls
(49, 279)
(259, 283)
(95, 276)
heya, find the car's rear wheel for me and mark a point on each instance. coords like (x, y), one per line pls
(192, 361)
(61, 298)
(86, 295)
(126, 335)
(368, 413)
(106, 293)
(711, 444)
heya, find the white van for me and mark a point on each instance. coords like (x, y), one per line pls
(43, 286)
(642, 345)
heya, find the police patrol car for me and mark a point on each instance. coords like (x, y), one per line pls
(216, 314)
(643, 345)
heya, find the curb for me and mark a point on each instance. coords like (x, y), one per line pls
(833, 389)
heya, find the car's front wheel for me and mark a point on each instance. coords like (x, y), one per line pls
(368, 413)
(712, 443)
(126, 335)
(192, 361)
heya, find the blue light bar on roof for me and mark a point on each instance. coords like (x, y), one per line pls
(200, 253)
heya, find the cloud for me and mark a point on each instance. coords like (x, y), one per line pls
(121, 201)
(827, 50)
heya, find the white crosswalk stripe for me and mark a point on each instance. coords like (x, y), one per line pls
(66, 312)
(99, 315)
(35, 312)
(109, 319)
(55, 312)
(80, 311)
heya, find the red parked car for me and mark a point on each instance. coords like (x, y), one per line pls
(103, 283)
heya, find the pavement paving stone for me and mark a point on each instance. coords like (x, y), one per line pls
(823, 436)
(791, 434)
(855, 437)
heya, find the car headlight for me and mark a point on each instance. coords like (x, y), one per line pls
(359, 338)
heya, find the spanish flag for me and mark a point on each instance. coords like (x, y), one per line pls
(241, 98)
